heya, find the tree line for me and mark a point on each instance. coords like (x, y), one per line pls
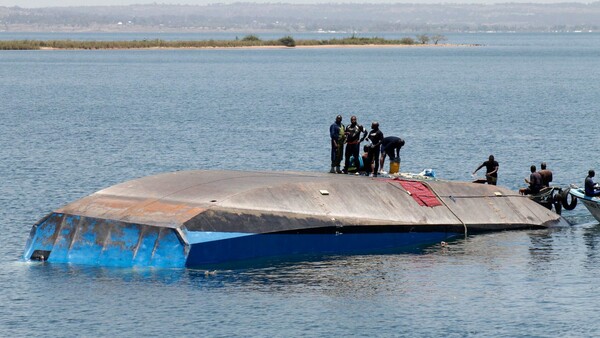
(246, 41)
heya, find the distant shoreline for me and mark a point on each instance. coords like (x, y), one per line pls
(446, 45)
(248, 42)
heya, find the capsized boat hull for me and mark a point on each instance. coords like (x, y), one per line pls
(591, 203)
(87, 241)
(202, 218)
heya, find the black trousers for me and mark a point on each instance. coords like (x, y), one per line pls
(352, 150)
(374, 156)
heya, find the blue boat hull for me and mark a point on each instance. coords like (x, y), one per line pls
(288, 246)
(61, 238)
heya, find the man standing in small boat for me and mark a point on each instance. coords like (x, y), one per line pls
(590, 187)
(491, 170)
(337, 135)
(546, 175)
(375, 137)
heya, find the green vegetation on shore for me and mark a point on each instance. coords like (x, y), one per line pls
(247, 41)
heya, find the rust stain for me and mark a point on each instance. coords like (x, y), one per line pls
(160, 210)
(149, 211)
(100, 203)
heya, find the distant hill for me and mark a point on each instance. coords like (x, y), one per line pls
(282, 17)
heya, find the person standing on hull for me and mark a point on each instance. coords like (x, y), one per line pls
(353, 140)
(491, 170)
(535, 183)
(546, 175)
(337, 135)
(590, 187)
(390, 147)
(375, 136)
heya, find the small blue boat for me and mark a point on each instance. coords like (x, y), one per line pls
(207, 218)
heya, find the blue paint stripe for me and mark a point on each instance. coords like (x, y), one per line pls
(195, 237)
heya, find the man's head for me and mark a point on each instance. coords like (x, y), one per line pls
(591, 173)
(375, 125)
(543, 165)
(338, 119)
(491, 158)
(533, 168)
(353, 119)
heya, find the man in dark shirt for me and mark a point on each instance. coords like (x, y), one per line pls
(390, 146)
(546, 175)
(535, 183)
(491, 170)
(375, 136)
(337, 135)
(590, 186)
(353, 139)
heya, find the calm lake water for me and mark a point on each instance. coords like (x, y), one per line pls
(74, 122)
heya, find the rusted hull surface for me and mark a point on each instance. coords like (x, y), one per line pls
(174, 199)
(176, 213)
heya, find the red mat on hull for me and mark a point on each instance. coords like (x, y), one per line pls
(420, 193)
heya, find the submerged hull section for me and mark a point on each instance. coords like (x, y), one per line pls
(201, 218)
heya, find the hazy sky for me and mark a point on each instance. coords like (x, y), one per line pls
(56, 3)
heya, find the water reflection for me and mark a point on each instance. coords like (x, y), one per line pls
(541, 249)
(335, 276)
(48, 271)
(591, 238)
(365, 275)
